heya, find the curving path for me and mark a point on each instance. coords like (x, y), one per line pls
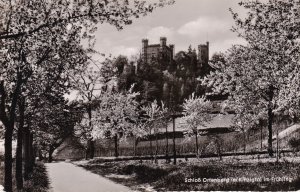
(66, 177)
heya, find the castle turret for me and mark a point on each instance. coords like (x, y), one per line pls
(207, 44)
(144, 49)
(203, 58)
(145, 42)
(163, 42)
(156, 51)
(172, 50)
(203, 54)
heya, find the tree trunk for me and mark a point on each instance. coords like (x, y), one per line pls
(134, 146)
(261, 138)
(277, 146)
(50, 154)
(26, 152)
(19, 158)
(91, 145)
(34, 154)
(87, 153)
(245, 138)
(116, 146)
(8, 159)
(40, 155)
(197, 145)
(88, 149)
(167, 143)
(156, 148)
(151, 148)
(174, 143)
(270, 121)
(8, 120)
(92, 149)
(218, 144)
(31, 153)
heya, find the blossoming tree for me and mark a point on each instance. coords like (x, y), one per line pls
(196, 113)
(262, 77)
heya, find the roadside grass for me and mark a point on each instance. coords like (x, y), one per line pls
(1, 172)
(38, 180)
(257, 176)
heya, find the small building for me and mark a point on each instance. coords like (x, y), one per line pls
(70, 149)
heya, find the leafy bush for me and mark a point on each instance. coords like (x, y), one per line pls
(127, 170)
(144, 173)
(1, 172)
(38, 181)
(204, 171)
(173, 181)
(295, 143)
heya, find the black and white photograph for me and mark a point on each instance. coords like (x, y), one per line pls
(149, 95)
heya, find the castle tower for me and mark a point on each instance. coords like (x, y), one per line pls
(144, 49)
(156, 51)
(203, 54)
(163, 42)
(172, 50)
(203, 58)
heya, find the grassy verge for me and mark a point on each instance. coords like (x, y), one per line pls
(210, 175)
(38, 181)
(1, 172)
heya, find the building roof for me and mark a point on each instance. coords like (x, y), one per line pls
(154, 45)
(219, 124)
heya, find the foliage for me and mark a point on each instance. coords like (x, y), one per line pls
(262, 77)
(116, 115)
(294, 143)
(40, 16)
(217, 59)
(196, 112)
(155, 115)
(90, 83)
(38, 181)
(53, 124)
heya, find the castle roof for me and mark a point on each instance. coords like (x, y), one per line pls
(154, 45)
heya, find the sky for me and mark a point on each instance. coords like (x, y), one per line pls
(187, 22)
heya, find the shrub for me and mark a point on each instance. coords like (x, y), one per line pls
(38, 181)
(127, 170)
(173, 181)
(144, 173)
(295, 143)
(204, 171)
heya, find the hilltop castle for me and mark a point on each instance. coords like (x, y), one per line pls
(160, 74)
(164, 52)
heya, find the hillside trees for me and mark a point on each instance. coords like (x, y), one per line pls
(262, 78)
(126, 75)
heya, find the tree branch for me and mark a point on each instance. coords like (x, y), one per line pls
(3, 115)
